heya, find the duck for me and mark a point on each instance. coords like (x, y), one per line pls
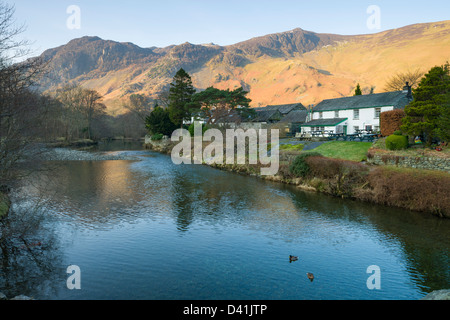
(310, 276)
(293, 258)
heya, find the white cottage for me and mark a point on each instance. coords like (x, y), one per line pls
(358, 113)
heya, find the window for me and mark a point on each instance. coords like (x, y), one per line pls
(356, 114)
(377, 113)
(336, 114)
(377, 129)
(368, 128)
(320, 115)
(355, 129)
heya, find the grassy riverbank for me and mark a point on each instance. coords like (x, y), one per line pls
(339, 175)
(346, 150)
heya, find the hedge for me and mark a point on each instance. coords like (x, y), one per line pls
(396, 142)
(390, 121)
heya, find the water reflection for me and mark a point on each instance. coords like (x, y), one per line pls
(30, 257)
(194, 232)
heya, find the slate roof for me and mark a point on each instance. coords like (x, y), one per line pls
(296, 116)
(325, 122)
(267, 115)
(398, 99)
(283, 108)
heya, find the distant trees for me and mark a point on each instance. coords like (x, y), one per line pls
(183, 103)
(139, 104)
(358, 91)
(398, 81)
(428, 114)
(80, 107)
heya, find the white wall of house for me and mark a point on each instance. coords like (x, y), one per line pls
(336, 129)
(359, 119)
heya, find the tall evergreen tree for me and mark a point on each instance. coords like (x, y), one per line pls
(180, 97)
(428, 114)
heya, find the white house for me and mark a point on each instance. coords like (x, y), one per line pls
(350, 114)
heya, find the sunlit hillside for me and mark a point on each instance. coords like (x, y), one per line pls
(294, 66)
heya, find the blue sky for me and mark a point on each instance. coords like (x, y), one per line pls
(162, 23)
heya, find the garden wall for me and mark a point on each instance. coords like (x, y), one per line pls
(428, 163)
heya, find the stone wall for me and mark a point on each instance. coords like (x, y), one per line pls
(428, 163)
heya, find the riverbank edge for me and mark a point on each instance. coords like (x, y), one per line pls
(311, 185)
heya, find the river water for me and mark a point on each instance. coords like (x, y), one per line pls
(149, 229)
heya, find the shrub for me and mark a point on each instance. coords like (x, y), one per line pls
(300, 167)
(340, 176)
(157, 137)
(330, 168)
(395, 142)
(159, 122)
(398, 133)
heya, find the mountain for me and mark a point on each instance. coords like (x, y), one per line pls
(289, 67)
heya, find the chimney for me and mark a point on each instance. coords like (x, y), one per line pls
(310, 113)
(408, 90)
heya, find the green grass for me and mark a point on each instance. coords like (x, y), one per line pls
(346, 150)
(294, 147)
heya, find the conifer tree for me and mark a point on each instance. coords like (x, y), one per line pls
(428, 114)
(358, 91)
(180, 98)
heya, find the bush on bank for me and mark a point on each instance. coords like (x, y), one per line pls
(413, 189)
(300, 167)
(397, 142)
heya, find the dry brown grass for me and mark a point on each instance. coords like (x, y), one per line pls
(413, 189)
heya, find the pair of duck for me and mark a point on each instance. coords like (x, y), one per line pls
(308, 274)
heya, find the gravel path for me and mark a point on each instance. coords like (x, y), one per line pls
(313, 145)
(308, 144)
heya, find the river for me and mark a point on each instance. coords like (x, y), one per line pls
(152, 230)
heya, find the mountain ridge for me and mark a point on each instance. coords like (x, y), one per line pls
(287, 67)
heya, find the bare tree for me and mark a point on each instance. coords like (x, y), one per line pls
(139, 104)
(81, 107)
(10, 47)
(398, 81)
(93, 108)
(20, 106)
